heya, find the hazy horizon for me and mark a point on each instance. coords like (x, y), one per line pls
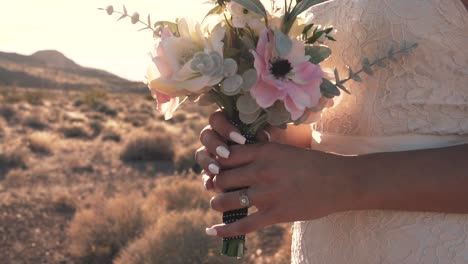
(87, 35)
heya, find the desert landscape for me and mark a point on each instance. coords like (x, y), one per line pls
(91, 173)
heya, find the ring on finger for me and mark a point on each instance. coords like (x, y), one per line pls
(244, 200)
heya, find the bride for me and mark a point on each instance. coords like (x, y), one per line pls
(384, 179)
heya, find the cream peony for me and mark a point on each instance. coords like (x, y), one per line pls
(188, 63)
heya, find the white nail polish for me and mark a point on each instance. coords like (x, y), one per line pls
(213, 168)
(268, 135)
(238, 138)
(211, 231)
(223, 152)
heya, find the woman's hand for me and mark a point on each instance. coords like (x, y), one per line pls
(285, 184)
(215, 136)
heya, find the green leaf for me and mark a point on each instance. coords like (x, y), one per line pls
(215, 10)
(253, 5)
(171, 25)
(341, 86)
(356, 78)
(328, 88)
(317, 53)
(122, 17)
(303, 6)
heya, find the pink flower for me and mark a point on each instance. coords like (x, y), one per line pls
(285, 73)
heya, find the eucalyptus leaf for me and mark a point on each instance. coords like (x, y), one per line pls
(337, 75)
(215, 10)
(341, 86)
(356, 78)
(171, 25)
(328, 88)
(249, 118)
(277, 114)
(317, 54)
(253, 5)
(246, 104)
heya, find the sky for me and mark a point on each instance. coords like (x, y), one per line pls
(87, 35)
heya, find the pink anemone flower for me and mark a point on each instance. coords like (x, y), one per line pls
(285, 73)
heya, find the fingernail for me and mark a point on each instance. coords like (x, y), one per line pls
(268, 135)
(238, 138)
(205, 186)
(213, 168)
(222, 151)
(211, 231)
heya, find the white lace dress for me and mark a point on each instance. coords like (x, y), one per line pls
(421, 101)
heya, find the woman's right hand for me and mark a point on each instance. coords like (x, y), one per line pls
(220, 131)
(215, 138)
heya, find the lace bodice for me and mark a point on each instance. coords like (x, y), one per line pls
(424, 95)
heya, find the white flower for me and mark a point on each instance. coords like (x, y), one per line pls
(188, 63)
(242, 17)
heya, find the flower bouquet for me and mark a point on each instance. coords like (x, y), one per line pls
(260, 68)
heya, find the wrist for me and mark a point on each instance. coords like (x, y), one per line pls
(354, 175)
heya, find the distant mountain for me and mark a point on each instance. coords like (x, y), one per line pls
(52, 69)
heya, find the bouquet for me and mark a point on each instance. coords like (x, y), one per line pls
(260, 68)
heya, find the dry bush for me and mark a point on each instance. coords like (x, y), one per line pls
(98, 234)
(176, 238)
(92, 96)
(137, 119)
(41, 142)
(179, 117)
(96, 127)
(63, 202)
(110, 134)
(35, 121)
(34, 97)
(185, 159)
(175, 194)
(8, 112)
(75, 131)
(104, 108)
(147, 147)
(3, 130)
(11, 159)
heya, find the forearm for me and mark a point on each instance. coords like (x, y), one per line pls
(434, 180)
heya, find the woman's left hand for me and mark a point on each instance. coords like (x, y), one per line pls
(284, 183)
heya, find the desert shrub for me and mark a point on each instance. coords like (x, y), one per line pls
(34, 97)
(175, 194)
(110, 134)
(92, 96)
(149, 148)
(176, 238)
(185, 160)
(96, 127)
(74, 131)
(137, 119)
(180, 117)
(12, 159)
(63, 202)
(41, 142)
(104, 108)
(35, 121)
(98, 234)
(8, 112)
